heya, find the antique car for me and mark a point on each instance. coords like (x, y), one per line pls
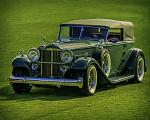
(88, 54)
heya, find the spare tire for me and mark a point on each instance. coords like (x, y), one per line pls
(105, 62)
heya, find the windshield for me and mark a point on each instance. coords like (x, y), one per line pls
(68, 33)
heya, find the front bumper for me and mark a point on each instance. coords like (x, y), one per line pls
(48, 81)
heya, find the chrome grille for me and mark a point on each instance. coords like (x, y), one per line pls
(50, 67)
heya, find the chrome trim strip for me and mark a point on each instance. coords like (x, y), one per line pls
(53, 49)
(41, 64)
(122, 79)
(52, 59)
(59, 63)
(49, 81)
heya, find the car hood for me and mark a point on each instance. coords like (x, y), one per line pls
(73, 45)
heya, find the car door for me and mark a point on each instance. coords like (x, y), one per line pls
(115, 51)
(126, 46)
(115, 45)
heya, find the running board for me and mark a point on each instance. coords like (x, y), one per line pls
(120, 78)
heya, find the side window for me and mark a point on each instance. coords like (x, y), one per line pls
(115, 35)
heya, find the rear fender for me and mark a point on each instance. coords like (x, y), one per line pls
(134, 53)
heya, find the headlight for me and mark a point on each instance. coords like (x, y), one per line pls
(33, 54)
(66, 56)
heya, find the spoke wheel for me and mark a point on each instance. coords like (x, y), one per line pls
(139, 69)
(106, 62)
(90, 81)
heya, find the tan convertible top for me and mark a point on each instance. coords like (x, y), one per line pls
(127, 26)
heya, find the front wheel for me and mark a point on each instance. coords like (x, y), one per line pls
(90, 81)
(21, 87)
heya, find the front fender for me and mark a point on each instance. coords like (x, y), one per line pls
(135, 52)
(21, 61)
(82, 63)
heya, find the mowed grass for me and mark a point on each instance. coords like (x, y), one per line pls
(24, 23)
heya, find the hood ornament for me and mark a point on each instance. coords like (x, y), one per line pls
(22, 52)
(43, 41)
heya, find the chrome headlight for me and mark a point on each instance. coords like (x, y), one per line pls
(66, 56)
(33, 54)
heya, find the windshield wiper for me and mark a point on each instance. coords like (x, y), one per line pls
(81, 32)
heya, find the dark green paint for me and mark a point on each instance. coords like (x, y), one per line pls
(21, 61)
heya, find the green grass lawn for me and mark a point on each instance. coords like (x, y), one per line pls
(22, 26)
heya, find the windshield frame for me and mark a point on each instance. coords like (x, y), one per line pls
(82, 27)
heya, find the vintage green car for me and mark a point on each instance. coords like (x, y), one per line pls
(88, 54)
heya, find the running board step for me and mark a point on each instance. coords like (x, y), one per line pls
(120, 78)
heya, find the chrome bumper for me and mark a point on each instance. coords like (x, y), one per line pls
(48, 81)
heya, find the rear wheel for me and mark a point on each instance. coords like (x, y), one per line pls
(90, 81)
(21, 87)
(139, 69)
